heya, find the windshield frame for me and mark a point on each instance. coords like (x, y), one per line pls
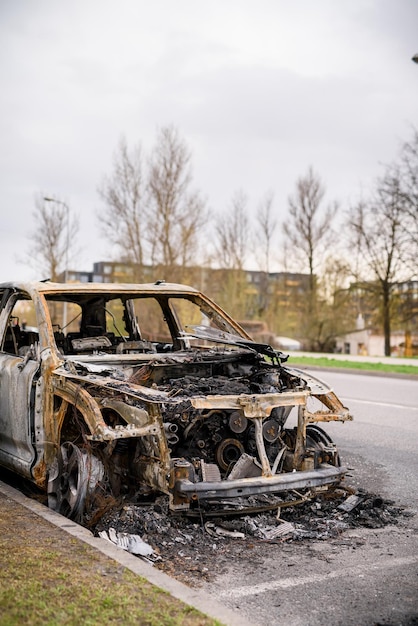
(129, 329)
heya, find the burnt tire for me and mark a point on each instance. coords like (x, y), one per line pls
(72, 480)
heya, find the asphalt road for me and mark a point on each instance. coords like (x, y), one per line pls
(366, 577)
(383, 435)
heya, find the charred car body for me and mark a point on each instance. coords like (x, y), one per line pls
(133, 390)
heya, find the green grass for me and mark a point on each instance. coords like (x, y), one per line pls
(353, 365)
(49, 579)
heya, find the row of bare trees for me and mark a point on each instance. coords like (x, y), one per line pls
(375, 250)
(384, 235)
(162, 226)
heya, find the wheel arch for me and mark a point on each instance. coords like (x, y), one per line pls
(69, 400)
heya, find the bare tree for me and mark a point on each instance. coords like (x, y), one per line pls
(408, 174)
(175, 214)
(308, 231)
(377, 228)
(123, 193)
(334, 313)
(309, 227)
(265, 231)
(51, 243)
(232, 241)
(232, 233)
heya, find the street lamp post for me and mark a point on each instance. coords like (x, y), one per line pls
(67, 245)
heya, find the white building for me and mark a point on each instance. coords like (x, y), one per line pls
(367, 342)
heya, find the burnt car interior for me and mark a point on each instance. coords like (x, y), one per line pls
(135, 324)
(18, 336)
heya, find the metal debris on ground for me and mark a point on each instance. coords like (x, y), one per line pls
(195, 548)
(283, 529)
(350, 504)
(214, 531)
(131, 543)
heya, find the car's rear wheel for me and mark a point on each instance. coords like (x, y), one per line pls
(73, 478)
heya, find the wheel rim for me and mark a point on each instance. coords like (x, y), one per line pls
(318, 438)
(73, 477)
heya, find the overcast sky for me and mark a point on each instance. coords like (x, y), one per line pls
(260, 90)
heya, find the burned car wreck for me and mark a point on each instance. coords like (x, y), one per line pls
(130, 391)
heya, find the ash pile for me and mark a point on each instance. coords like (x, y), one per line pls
(193, 546)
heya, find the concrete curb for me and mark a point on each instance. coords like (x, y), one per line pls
(195, 598)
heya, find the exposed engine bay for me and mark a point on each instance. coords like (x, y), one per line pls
(222, 417)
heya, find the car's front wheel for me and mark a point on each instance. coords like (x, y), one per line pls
(73, 478)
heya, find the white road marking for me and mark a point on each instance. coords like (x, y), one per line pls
(389, 404)
(287, 583)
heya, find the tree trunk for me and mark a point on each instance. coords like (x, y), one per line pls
(386, 317)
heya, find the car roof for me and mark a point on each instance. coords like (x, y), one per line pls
(48, 287)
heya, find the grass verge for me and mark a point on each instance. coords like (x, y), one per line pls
(48, 578)
(353, 365)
